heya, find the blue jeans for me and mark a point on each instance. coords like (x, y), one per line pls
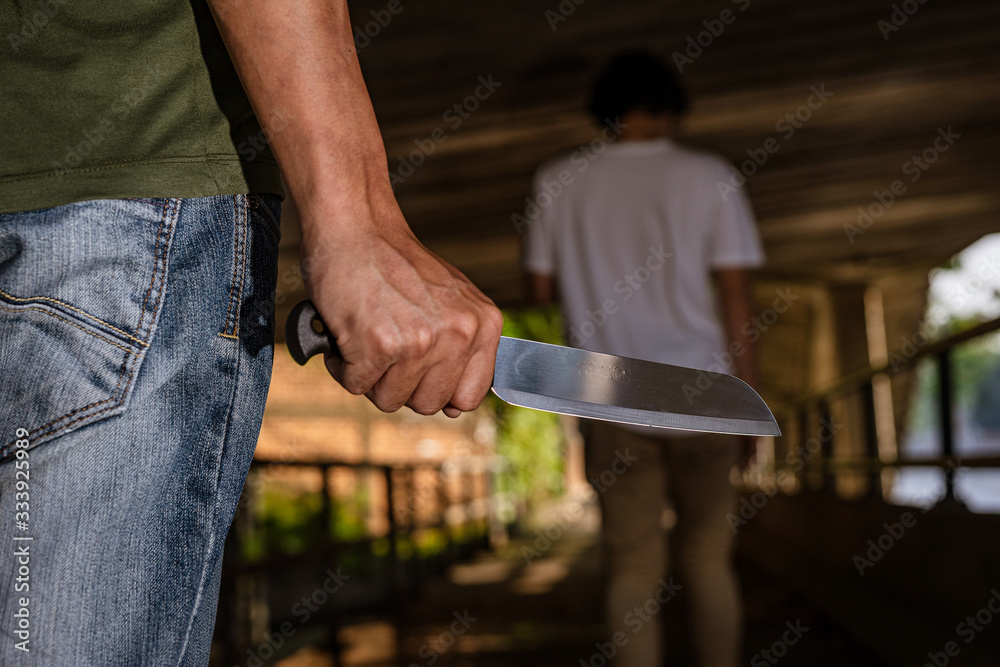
(135, 355)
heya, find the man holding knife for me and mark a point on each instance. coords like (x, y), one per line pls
(138, 246)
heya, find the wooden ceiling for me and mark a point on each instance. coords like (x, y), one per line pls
(892, 92)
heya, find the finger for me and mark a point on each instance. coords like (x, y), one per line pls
(435, 388)
(476, 379)
(477, 375)
(460, 381)
(354, 367)
(334, 366)
(357, 378)
(367, 361)
(401, 385)
(412, 378)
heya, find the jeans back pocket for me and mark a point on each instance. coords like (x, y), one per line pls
(81, 287)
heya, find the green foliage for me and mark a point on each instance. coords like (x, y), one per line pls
(530, 442)
(542, 324)
(923, 413)
(971, 363)
(287, 523)
(290, 523)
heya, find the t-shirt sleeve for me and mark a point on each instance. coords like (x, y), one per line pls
(735, 241)
(539, 252)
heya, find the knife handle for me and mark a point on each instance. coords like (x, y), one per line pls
(306, 334)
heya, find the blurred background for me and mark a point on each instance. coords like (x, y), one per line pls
(371, 539)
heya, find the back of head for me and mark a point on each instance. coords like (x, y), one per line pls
(636, 80)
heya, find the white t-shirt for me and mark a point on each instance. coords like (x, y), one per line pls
(631, 235)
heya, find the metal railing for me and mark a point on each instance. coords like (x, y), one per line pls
(455, 505)
(813, 413)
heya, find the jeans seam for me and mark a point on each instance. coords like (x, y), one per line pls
(73, 324)
(158, 260)
(245, 212)
(117, 397)
(215, 509)
(63, 304)
(239, 268)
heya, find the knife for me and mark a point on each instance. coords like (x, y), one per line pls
(588, 384)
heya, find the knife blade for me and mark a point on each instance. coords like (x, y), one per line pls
(589, 384)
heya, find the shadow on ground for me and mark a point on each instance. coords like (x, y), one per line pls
(536, 602)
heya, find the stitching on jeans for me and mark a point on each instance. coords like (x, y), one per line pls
(226, 433)
(234, 298)
(164, 260)
(230, 336)
(243, 263)
(156, 266)
(232, 281)
(11, 297)
(118, 401)
(114, 397)
(69, 322)
(238, 269)
(117, 397)
(156, 271)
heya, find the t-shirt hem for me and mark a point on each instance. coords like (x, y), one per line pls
(180, 176)
(538, 267)
(738, 262)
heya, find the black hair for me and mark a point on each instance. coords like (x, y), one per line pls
(636, 80)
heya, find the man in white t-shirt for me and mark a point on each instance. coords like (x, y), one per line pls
(651, 262)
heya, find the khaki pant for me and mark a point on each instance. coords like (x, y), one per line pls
(637, 478)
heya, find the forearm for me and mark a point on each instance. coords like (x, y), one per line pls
(541, 289)
(299, 67)
(737, 311)
(410, 328)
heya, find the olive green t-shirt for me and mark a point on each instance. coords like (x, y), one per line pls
(123, 98)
